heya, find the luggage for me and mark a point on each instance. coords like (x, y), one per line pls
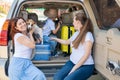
(66, 33)
(42, 52)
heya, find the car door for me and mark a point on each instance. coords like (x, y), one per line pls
(107, 52)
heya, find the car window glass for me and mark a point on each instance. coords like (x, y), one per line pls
(108, 11)
(39, 12)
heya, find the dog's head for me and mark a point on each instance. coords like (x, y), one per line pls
(30, 23)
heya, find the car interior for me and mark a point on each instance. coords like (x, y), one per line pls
(66, 12)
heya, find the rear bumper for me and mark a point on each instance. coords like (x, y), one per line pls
(3, 52)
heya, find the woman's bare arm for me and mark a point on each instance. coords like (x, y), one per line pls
(26, 41)
(61, 40)
(29, 42)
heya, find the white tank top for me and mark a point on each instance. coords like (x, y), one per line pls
(21, 50)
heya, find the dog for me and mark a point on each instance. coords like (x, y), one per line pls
(38, 36)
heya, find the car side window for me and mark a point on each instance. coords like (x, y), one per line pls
(105, 10)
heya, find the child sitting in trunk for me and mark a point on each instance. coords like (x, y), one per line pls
(50, 29)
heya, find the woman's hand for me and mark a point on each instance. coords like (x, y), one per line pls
(71, 72)
(39, 40)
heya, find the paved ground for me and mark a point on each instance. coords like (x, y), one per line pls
(2, 74)
(3, 77)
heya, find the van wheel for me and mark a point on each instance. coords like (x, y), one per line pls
(10, 54)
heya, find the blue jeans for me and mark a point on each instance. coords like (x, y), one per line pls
(82, 73)
(46, 39)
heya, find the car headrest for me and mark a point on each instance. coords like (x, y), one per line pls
(67, 18)
(24, 15)
(75, 12)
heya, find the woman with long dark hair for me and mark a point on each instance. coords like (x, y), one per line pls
(21, 67)
(81, 64)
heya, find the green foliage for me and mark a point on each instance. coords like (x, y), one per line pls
(2, 10)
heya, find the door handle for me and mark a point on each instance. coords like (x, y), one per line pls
(109, 40)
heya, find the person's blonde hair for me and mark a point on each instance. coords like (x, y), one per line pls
(87, 27)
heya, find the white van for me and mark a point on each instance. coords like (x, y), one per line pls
(106, 51)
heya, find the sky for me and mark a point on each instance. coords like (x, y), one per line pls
(7, 0)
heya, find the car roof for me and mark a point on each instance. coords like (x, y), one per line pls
(36, 3)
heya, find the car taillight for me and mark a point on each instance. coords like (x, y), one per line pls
(3, 33)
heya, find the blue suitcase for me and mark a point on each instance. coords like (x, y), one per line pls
(42, 52)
